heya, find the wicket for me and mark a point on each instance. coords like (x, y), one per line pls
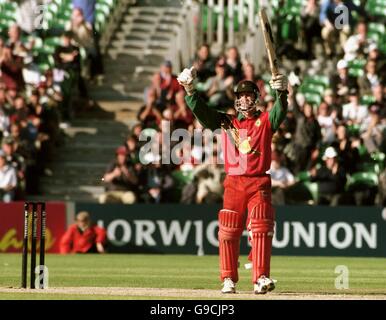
(34, 226)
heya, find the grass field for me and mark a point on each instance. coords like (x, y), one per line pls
(190, 277)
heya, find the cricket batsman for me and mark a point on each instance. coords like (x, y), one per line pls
(246, 143)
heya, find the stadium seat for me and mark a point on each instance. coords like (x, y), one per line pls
(362, 180)
(303, 176)
(367, 99)
(181, 179)
(379, 158)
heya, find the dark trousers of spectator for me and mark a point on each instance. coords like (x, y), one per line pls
(95, 56)
(311, 32)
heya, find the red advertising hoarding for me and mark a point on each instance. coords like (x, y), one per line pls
(12, 225)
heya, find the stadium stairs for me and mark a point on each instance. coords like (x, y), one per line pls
(137, 48)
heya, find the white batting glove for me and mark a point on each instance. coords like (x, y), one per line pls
(279, 82)
(186, 79)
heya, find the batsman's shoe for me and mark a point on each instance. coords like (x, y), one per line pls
(228, 286)
(263, 285)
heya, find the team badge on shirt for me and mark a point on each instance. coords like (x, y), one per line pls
(258, 123)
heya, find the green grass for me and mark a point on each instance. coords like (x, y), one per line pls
(300, 275)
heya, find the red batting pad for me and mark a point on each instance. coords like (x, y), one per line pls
(262, 225)
(230, 230)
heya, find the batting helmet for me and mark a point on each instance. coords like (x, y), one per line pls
(247, 86)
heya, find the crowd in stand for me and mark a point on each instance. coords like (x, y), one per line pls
(35, 102)
(325, 142)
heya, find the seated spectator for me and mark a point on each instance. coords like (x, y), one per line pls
(380, 60)
(331, 178)
(249, 74)
(357, 45)
(369, 80)
(83, 236)
(353, 112)
(374, 136)
(166, 85)
(207, 183)
(342, 82)
(281, 179)
(234, 67)
(380, 100)
(219, 88)
(326, 122)
(348, 155)
(4, 121)
(210, 176)
(17, 161)
(329, 98)
(204, 63)
(131, 145)
(149, 114)
(11, 67)
(120, 180)
(14, 41)
(157, 183)
(8, 179)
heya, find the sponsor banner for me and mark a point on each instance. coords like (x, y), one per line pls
(12, 226)
(190, 229)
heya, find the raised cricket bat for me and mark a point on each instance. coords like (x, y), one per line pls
(269, 43)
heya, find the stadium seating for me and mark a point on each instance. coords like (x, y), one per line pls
(362, 180)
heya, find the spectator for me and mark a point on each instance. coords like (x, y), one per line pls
(8, 180)
(357, 45)
(331, 179)
(219, 88)
(209, 176)
(157, 182)
(249, 74)
(329, 98)
(17, 161)
(353, 112)
(306, 138)
(380, 100)
(11, 67)
(204, 63)
(149, 114)
(67, 58)
(326, 122)
(369, 80)
(380, 60)
(348, 156)
(83, 236)
(120, 179)
(342, 82)
(14, 41)
(166, 85)
(83, 37)
(281, 179)
(374, 136)
(88, 8)
(329, 16)
(310, 24)
(234, 67)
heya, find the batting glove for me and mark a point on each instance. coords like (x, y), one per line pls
(186, 79)
(279, 82)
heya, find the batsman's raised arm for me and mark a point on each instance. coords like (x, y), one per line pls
(208, 117)
(278, 113)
